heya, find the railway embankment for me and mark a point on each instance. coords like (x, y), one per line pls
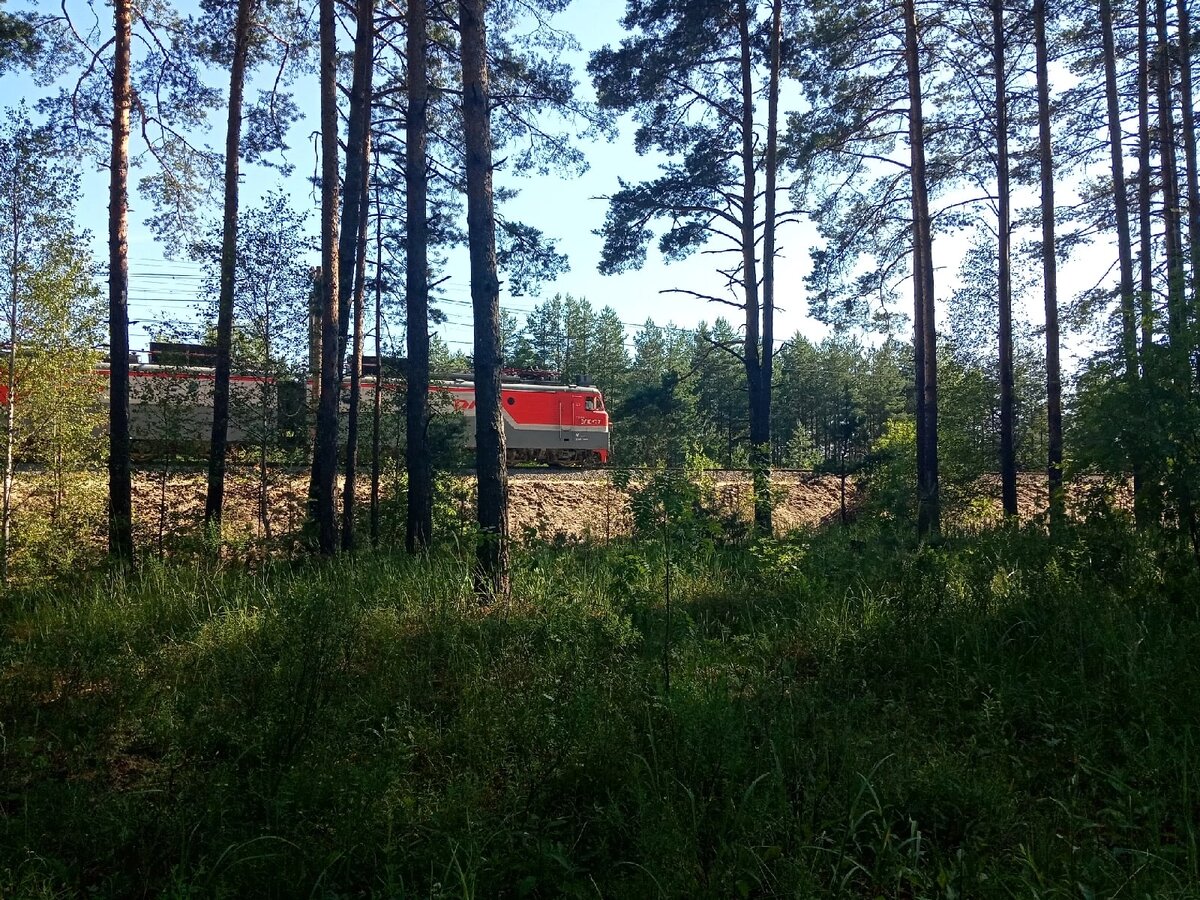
(571, 505)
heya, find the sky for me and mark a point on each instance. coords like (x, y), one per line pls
(568, 209)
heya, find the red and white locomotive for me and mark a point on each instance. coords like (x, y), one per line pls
(544, 421)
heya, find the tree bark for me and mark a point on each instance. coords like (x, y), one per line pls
(1008, 453)
(1169, 176)
(419, 522)
(325, 451)
(377, 399)
(270, 392)
(1146, 496)
(349, 489)
(491, 554)
(1049, 275)
(10, 399)
(352, 252)
(1129, 319)
(1177, 309)
(357, 162)
(1145, 237)
(925, 343)
(760, 434)
(215, 498)
(120, 480)
(1189, 147)
(1120, 198)
(762, 492)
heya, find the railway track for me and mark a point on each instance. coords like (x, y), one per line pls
(567, 474)
(562, 473)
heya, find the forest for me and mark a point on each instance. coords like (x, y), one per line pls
(939, 267)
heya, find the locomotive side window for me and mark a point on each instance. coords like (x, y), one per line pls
(589, 404)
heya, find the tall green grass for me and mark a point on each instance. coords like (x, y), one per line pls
(847, 715)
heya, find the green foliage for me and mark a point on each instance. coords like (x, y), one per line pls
(272, 285)
(821, 387)
(677, 506)
(58, 327)
(18, 39)
(891, 472)
(1152, 427)
(52, 315)
(658, 424)
(848, 715)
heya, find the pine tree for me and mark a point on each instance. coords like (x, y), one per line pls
(19, 42)
(491, 555)
(324, 466)
(120, 476)
(610, 358)
(352, 253)
(863, 77)
(691, 75)
(260, 32)
(419, 527)
(215, 498)
(1054, 456)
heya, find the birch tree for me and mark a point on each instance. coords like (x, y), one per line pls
(50, 309)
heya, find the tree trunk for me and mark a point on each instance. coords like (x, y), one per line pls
(1176, 304)
(925, 343)
(164, 477)
(1177, 311)
(491, 554)
(215, 499)
(762, 492)
(377, 400)
(270, 400)
(264, 484)
(1145, 237)
(1049, 274)
(1189, 147)
(1008, 453)
(419, 524)
(760, 434)
(1120, 198)
(120, 478)
(325, 451)
(10, 398)
(352, 254)
(349, 495)
(1121, 201)
(1146, 504)
(357, 162)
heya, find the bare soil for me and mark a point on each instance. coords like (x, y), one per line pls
(549, 505)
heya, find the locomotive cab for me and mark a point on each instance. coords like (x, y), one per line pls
(545, 423)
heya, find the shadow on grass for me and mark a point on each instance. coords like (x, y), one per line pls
(848, 714)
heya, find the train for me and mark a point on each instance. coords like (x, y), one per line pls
(545, 421)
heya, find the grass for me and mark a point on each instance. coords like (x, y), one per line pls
(847, 715)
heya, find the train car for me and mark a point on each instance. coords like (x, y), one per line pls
(544, 422)
(174, 403)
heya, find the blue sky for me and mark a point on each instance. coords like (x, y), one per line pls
(569, 209)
